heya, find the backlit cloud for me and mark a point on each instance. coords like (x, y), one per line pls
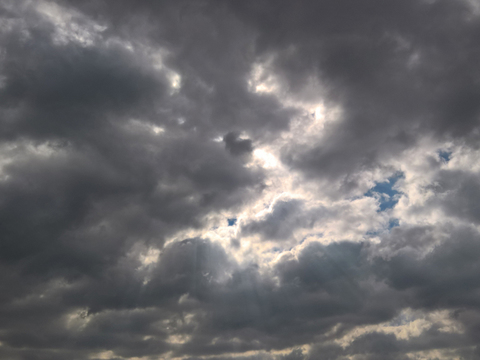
(242, 180)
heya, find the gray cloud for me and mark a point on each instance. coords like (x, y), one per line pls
(279, 224)
(237, 146)
(383, 64)
(115, 182)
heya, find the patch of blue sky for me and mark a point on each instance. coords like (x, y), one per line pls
(232, 222)
(404, 318)
(393, 223)
(385, 192)
(275, 249)
(445, 155)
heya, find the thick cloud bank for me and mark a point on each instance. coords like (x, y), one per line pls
(244, 180)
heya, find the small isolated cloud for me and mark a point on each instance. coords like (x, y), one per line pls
(236, 145)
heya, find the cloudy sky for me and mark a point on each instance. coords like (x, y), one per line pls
(240, 180)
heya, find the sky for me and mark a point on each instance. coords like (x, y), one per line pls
(240, 180)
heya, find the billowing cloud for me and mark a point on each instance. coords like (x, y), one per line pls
(244, 180)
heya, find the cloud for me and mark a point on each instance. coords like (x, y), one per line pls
(280, 223)
(255, 180)
(237, 146)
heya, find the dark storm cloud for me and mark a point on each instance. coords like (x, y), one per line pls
(81, 99)
(68, 220)
(214, 97)
(296, 354)
(446, 276)
(397, 69)
(460, 194)
(315, 292)
(69, 91)
(373, 346)
(104, 159)
(326, 285)
(59, 199)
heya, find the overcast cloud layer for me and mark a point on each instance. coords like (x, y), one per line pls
(244, 180)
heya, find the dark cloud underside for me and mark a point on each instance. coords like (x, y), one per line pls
(142, 215)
